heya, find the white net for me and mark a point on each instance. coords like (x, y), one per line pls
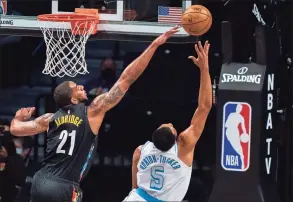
(65, 47)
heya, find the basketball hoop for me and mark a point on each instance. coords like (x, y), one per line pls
(65, 36)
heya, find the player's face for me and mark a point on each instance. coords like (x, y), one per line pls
(170, 125)
(78, 92)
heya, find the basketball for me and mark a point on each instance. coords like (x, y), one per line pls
(244, 138)
(196, 20)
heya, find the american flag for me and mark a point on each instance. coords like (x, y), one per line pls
(170, 15)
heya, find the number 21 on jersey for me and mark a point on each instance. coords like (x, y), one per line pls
(157, 178)
(63, 137)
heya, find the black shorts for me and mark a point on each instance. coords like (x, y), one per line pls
(46, 188)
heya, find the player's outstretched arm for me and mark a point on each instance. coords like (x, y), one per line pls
(20, 126)
(110, 99)
(190, 136)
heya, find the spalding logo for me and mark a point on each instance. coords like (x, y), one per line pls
(242, 70)
(241, 77)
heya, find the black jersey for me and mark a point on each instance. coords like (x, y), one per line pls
(70, 144)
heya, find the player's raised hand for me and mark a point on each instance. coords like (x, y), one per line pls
(164, 37)
(25, 113)
(202, 60)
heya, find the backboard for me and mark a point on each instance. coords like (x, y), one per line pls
(137, 20)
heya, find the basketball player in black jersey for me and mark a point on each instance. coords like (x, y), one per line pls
(73, 129)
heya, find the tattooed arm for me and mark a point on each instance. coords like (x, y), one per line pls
(107, 101)
(21, 127)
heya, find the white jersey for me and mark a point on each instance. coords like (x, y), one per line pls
(162, 175)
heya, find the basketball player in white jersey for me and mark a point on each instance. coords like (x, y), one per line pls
(161, 169)
(232, 132)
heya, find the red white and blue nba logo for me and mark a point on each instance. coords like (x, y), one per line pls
(3, 7)
(236, 133)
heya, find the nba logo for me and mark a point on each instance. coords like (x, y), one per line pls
(236, 131)
(3, 7)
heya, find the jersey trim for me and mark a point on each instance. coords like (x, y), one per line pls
(144, 145)
(89, 156)
(176, 149)
(87, 161)
(143, 194)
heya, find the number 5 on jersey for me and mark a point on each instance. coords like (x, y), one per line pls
(63, 137)
(157, 178)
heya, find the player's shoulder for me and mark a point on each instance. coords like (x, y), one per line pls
(54, 115)
(147, 147)
(146, 144)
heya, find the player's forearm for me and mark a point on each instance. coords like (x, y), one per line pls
(205, 94)
(137, 67)
(205, 90)
(108, 100)
(20, 127)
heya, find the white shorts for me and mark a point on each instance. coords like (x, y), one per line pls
(133, 196)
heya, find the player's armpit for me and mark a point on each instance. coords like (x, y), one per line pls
(191, 135)
(29, 128)
(135, 160)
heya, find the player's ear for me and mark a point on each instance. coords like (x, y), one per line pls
(74, 101)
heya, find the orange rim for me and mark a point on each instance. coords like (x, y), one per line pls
(66, 17)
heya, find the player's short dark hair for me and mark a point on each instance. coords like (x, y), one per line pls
(163, 138)
(62, 94)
